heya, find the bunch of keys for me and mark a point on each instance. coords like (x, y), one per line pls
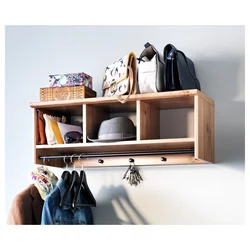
(134, 176)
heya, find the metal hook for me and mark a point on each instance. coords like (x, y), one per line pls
(64, 160)
(132, 163)
(44, 160)
(131, 160)
(80, 160)
(71, 161)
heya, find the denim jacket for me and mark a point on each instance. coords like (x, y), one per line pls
(54, 214)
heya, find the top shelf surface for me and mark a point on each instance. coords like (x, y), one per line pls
(172, 99)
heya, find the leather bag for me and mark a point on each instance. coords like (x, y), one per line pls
(150, 70)
(120, 78)
(179, 73)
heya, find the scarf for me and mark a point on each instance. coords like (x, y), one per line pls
(44, 180)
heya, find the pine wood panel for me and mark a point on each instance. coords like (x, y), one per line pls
(68, 110)
(116, 107)
(173, 103)
(125, 146)
(147, 109)
(34, 134)
(138, 160)
(204, 129)
(92, 118)
(148, 121)
(164, 96)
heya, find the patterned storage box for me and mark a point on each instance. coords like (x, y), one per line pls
(66, 93)
(71, 79)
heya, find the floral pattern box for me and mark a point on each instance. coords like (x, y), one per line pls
(71, 79)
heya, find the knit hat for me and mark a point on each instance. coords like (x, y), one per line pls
(44, 180)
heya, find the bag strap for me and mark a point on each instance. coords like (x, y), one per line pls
(131, 89)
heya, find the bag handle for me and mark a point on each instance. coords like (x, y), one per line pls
(131, 80)
(149, 50)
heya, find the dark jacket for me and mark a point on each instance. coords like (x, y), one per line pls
(26, 207)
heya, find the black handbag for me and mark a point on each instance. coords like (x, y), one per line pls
(179, 71)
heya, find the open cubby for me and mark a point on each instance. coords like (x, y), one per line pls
(94, 114)
(179, 125)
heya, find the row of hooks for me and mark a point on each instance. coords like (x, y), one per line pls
(132, 174)
(101, 157)
(131, 160)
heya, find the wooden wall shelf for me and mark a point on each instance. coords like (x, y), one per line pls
(146, 110)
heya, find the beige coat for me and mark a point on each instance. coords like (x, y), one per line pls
(26, 208)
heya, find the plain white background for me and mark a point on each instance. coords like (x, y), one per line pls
(201, 194)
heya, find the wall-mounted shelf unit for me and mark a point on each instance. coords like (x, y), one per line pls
(152, 145)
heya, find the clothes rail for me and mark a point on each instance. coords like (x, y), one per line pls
(68, 156)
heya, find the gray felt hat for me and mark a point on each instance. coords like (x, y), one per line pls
(115, 129)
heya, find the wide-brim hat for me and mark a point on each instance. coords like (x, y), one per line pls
(115, 129)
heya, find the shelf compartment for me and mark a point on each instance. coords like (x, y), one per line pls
(75, 110)
(156, 121)
(95, 114)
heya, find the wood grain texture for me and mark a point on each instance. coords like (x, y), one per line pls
(138, 160)
(66, 93)
(148, 121)
(204, 129)
(124, 146)
(178, 95)
(34, 134)
(92, 119)
(146, 108)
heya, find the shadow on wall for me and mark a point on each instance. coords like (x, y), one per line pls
(106, 211)
(224, 81)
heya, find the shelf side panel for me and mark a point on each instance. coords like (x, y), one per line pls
(148, 121)
(92, 118)
(35, 134)
(204, 130)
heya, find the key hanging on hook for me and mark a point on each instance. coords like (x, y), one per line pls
(134, 177)
(124, 176)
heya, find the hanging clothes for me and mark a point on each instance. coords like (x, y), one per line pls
(44, 180)
(54, 214)
(26, 207)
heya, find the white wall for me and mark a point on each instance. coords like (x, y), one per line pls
(200, 194)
